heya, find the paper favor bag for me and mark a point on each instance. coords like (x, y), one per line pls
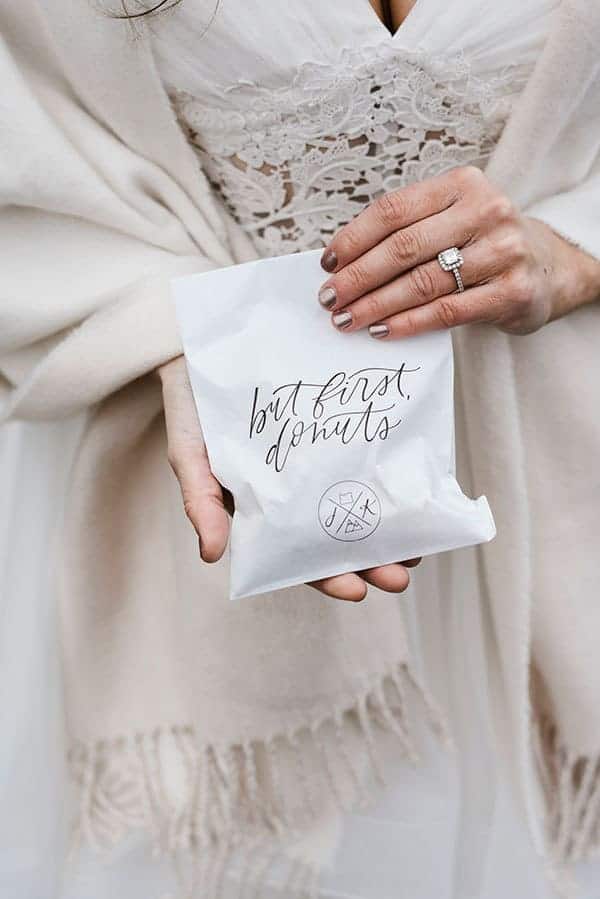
(338, 448)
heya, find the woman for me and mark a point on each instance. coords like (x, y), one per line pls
(242, 737)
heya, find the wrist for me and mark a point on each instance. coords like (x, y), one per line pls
(575, 273)
(583, 285)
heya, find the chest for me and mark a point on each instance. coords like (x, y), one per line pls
(300, 120)
(216, 51)
(392, 12)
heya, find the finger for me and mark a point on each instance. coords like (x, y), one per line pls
(349, 587)
(391, 578)
(477, 304)
(394, 210)
(201, 492)
(398, 253)
(212, 527)
(412, 563)
(203, 503)
(420, 285)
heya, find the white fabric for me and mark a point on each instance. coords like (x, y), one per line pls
(437, 828)
(467, 859)
(265, 123)
(174, 729)
(300, 121)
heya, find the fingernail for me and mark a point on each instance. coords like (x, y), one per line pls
(342, 319)
(327, 297)
(379, 330)
(329, 261)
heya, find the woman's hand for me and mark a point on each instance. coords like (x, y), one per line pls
(203, 498)
(206, 504)
(517, 273)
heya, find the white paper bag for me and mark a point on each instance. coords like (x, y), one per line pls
(338, 448)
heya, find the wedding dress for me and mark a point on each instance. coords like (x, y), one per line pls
(300, 115)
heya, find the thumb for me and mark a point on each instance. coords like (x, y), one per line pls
(202, 501)
(202, 494)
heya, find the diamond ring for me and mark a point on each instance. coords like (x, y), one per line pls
(451, 261)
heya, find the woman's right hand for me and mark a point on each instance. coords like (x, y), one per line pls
(202, 495)
(205, 502)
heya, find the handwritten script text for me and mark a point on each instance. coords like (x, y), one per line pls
(360, 405)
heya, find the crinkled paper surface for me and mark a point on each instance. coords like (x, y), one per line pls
(337, 448)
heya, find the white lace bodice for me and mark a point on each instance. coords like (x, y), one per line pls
(297, 149)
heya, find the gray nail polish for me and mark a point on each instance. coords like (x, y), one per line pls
(379, 330)
(342, 319)
(329, 260)
(327, 297)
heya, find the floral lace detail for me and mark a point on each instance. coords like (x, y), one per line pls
(294, 163)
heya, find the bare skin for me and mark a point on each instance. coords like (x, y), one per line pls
(383, 269)
(517, 272)
(398, 10)
(206, 505)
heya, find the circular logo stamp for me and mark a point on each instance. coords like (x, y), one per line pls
(349, 510)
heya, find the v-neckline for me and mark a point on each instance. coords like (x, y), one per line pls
(388, 17)
(387, 32)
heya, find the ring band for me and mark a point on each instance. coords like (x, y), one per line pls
(451, 261)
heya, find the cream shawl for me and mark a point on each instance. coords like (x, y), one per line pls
(218, 725)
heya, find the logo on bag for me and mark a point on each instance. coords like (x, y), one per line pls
(349, 510)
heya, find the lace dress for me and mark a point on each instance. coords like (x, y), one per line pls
(301, 113)
(299, 118)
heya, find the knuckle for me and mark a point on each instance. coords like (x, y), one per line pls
(404, 245)
(409, 323)
(349, 243)
(174, 461)
(500, 209)
(422, 283)
(186, 461)
(468, 177)
(375, 308)
(447, 313)
(520, 285)
(388, 208)
(356, 277)
(511, 246)
(190, 511)
(496, 306)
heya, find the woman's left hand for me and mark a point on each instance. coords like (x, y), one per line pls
(206, 504)
(518, 274)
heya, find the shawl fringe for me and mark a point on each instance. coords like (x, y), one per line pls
(571, 790)
(231, 814)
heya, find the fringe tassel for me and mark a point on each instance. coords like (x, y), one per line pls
(243, 807)
(358, 786)
(571, 787)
